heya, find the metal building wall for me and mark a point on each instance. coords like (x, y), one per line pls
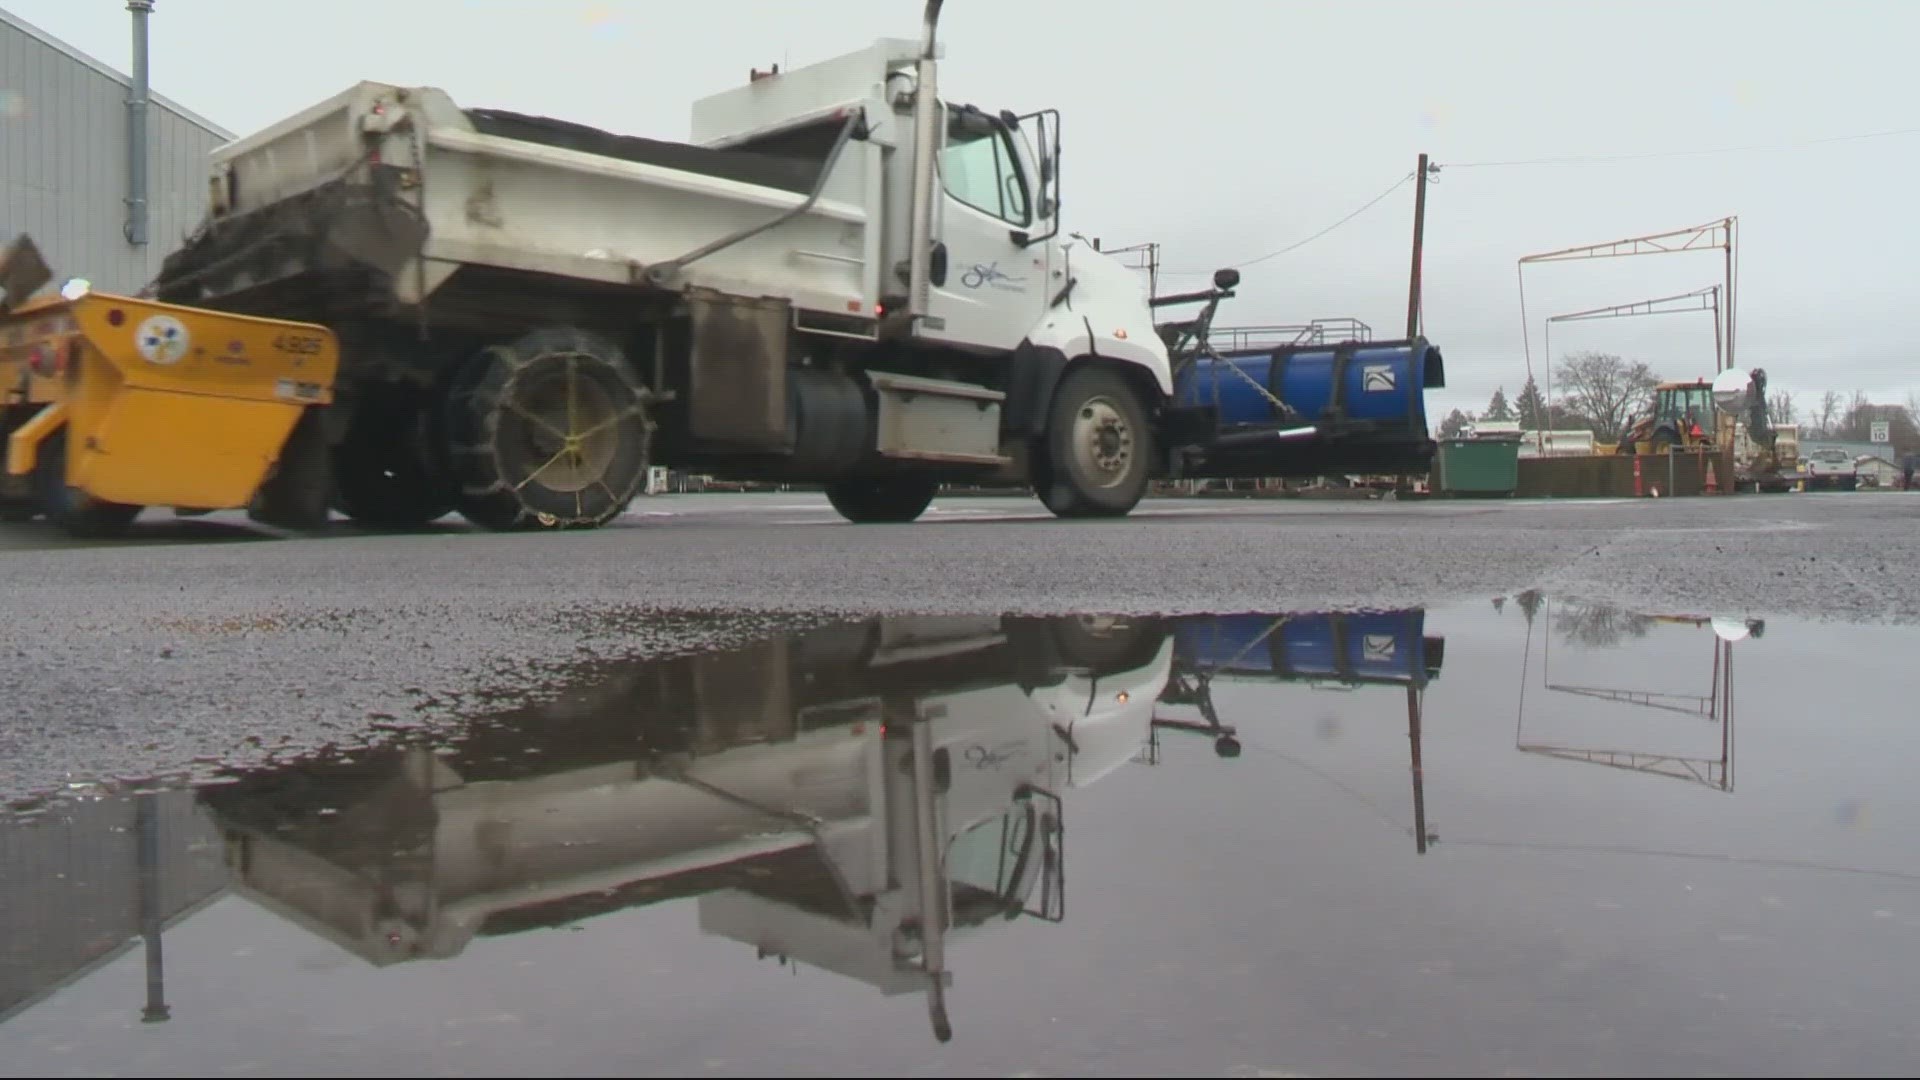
(63, 162)
(70, 887)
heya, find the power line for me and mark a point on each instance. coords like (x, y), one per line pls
(1604, 159)
(1297, 245)
(1579, 160)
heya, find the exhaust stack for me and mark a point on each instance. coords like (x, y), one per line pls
(137, 94)
(926, 111)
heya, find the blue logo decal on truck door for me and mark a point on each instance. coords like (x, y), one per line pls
(990, 274)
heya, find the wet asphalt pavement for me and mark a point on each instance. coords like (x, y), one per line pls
(204, 641)
(1524, 833)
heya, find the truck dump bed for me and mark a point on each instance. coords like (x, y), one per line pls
(796, 175)
(384, 196)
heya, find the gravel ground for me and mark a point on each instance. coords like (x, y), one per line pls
(202, 642)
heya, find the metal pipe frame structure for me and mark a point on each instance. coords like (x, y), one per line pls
(1716, 706)
(1722, 235)
(1147, 258)
(1318, 332)
(1707, 299)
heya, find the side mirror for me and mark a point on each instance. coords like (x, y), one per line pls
(1226, 278)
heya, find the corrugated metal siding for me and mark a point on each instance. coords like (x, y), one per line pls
(70, 887)
(63, 167)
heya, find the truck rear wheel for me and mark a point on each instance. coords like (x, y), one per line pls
(876, 499)
(381, 474)
(549, 431)
(1099, 447)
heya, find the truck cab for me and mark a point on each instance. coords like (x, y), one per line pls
(1683, 415)
(1011, 304)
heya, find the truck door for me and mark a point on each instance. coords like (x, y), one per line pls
(994, 289)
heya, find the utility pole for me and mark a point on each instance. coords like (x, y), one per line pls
(1419, 229)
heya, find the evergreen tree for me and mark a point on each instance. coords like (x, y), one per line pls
(1533, 407)
(1498, 409)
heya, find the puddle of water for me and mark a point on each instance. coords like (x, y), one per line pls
(1531, 834)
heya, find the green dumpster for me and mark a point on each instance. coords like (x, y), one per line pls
(1479, 466)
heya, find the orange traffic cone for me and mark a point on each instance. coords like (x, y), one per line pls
(1713, 481)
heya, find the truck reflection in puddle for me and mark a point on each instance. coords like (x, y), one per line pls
(849, 798)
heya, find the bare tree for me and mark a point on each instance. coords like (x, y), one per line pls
(1780, 408)
(1858, 426)
(1600, 626)
(1827, 416)
(1604, 390)
(1857, 421)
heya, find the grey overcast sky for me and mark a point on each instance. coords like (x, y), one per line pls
(1227, 129)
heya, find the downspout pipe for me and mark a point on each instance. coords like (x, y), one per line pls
(137, 144)
(926, 142)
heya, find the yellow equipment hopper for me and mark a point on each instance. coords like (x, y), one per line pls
(110, 404)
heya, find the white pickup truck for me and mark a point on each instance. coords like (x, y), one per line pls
(1831, 468)
(841, 279)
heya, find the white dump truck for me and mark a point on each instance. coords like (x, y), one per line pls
(842, 279)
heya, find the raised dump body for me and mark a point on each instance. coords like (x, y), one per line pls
(387, 195)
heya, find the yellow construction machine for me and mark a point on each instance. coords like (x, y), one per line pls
(110, 404)
(1683, 418)
(1726, 415)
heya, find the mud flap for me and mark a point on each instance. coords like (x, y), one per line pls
(1032, 374)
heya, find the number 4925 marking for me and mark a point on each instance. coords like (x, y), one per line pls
(298, 344)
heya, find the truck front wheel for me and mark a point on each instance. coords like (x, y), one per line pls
(1099, 447)
(875, 499)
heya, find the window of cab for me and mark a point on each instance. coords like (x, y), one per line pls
(979, 167)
